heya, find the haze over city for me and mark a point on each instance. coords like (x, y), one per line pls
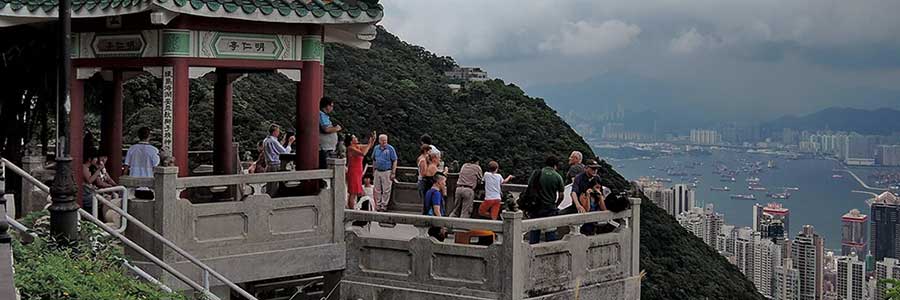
(704, 60)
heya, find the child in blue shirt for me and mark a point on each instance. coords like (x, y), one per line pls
(434, 198)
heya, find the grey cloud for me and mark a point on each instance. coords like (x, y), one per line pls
(587, 38)
(798, 54)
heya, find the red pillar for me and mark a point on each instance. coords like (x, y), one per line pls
(111, 132)
(180, 116)
(76, 131)
(223, 151)
(309, 92)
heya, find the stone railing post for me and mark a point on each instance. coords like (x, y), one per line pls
(512, 258)
(164, 206)
(30, 203)
(635, 246)
(339, 192)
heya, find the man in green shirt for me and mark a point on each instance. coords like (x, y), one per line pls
(548, 196)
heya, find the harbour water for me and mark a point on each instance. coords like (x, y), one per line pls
(820, 201)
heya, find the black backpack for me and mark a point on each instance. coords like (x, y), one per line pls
(617, 202)
(528, 200)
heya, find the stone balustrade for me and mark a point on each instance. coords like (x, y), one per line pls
(256, 238)
(393, 256)
(380, 255)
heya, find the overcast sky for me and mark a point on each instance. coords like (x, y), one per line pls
(733, 59)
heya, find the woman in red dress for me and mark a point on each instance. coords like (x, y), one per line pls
(355, 155)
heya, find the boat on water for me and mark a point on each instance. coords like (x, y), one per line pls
(753, 179)
(729, 179)
(837, 176)
(743, 197)
(771, 164)
(791, 189)
(784, 195)
(664, 179)
(756, 188)
(721, 189)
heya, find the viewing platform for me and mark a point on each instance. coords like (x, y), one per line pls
(373, 255)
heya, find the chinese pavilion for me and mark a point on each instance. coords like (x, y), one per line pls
(182, 39)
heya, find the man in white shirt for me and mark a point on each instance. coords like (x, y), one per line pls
(140, 161)
(273, 150)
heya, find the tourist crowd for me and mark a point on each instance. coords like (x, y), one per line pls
(546, 195)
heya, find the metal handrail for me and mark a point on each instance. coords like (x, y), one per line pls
(143, 252)
(180, 251)
(138, 248)
(146, 276)
(19, 226)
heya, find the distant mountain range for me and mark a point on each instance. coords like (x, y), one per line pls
(882, 121)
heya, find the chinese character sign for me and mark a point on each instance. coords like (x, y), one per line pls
(248, 46)
(168, 112)
(120, 45)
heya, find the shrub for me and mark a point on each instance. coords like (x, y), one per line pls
(89, 268)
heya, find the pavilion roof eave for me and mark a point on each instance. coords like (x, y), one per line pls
(340, 28)
(260, 15)
(11, 15)
(10, 12)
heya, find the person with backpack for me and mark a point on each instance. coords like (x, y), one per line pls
(544, 192)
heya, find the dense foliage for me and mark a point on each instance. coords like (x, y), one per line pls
(90, 268)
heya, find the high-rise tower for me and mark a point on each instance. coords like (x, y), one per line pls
(808, 253)
(853, 233)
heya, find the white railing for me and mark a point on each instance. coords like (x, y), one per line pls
(203, 288)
